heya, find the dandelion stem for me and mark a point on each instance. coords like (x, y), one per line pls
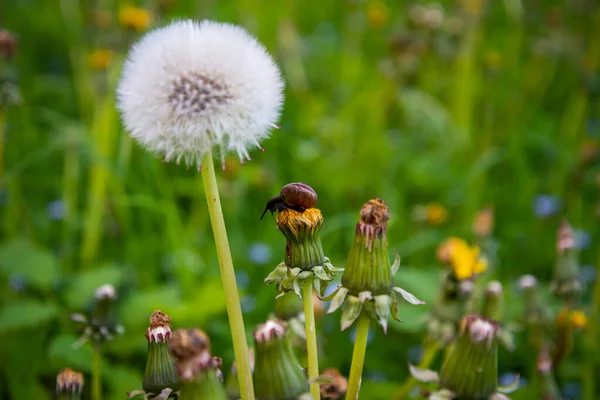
(96, 373)
(358, 357)
(2, 125)
(589, 378)
(232, 297)
(430, 350)
(311, 339)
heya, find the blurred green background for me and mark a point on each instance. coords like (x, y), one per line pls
(451, 106)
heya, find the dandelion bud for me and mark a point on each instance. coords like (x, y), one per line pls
(199, 372)
(336, 385)
(471, 370)
(300, 223)
(367, 283)
(277, 372)
(548, 389)
(8, 44)
(101, 323)
(69, 384)
(493, 301)
(160, 367)
(567, 282)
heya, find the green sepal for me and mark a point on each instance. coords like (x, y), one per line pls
(351, 310)
(423, 375)
(382, 308)
(337, 299)
(396, 264)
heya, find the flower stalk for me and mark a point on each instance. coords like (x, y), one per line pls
(232, 297)
(311, 340)
(358, 357)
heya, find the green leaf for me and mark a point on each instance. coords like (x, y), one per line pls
(61, 353)
(21, 314)
(37, 266)
(83, 286)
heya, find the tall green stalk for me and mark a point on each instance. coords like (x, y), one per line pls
(311, 339)
(96, 373)
(232, 297)
(358, 357)
(104, 127)
(2, 126)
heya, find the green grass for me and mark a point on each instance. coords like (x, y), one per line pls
(495, 116)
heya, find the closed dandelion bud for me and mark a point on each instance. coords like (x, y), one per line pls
(493, 307)
(335, 386)
(101, 323)
(277, 373)
(471, 370)
(160, 367)
(566, 284)
(69, 384)
(548, 389)
(300, 223)
(367, 283)
(8, 44)
(198, 371)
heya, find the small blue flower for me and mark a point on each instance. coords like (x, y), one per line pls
(242, 278)
(56, 210)
(545, 205)
(248, 303)
(260, 253)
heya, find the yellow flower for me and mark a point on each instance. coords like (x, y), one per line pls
(575, 318)
(464, 260)
(436, 214)
(578, 319)
(134, 18)
(100, 59)
(444, 250)
(377, 15)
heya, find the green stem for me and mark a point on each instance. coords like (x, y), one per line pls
(430, 350)
(70, 182)
(96, 373)
(232, 297)
(589, 383)
(2, 126)
(358, 357)
(311, 339)
(103, 129)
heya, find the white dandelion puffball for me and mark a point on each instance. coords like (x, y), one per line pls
(191, 87)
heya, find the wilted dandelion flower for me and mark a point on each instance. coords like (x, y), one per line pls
(190, 87)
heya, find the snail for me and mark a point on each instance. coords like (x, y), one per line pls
(297, 196)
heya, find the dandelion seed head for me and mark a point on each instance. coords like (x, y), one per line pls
(192, 87)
